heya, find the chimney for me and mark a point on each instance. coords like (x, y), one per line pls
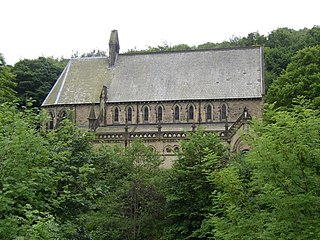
(114, 47)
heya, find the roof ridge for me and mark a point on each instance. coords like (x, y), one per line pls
(191, 50)
(92, 57)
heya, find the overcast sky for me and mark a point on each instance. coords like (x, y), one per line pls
(33, 28)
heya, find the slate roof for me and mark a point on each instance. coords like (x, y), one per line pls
(207, 74)
(81, 82)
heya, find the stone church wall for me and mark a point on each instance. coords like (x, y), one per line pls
(234, 109)
(163, 143)
(80, 113)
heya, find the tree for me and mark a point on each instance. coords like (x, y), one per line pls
(46, 178)
(7, 83)
(188, 191)
(131, 205)
(282, 44)
(273, 193)
(165, 47)
(74, 194)
(93, 53)
(25, 177)
(301, 78)
(36, 77)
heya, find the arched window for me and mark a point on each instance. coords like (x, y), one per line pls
(51, 121)
(129, 114)
(191, 113)
(224, 112)
(159, 113)
(209, 113)
(146, 114)
(116, 114)
(176, 113)
(61, 116)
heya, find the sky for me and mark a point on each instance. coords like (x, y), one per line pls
(59, 28)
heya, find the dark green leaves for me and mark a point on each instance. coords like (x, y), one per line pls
(188, 190)
(301, 78)
(36, 77)
(7, 83)
(274, 192)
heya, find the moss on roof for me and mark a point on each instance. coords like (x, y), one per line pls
(213, 74)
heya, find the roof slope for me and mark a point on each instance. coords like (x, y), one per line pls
(208, 74)
(80, 82)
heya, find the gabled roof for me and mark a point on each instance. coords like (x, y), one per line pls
(81, 82)
(207, 74)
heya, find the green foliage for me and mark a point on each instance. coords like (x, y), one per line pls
(301, 78)
(188, 191)
(54, 185)
(70, 152)
(36, 77)
(7, 84)
(2, 60)
(46, 179)
(272, 193)
(93, 53)
(24, 176)
(282, 44)
(163, 48)
(131, 206)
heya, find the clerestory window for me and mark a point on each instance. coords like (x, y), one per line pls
(209, 113)
(176, 113)
(224, 112)
(191, 113)
(146, 114)
(129, 114)
(116, 114)
(159, 113)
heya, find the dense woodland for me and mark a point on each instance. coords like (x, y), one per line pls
(58, 185)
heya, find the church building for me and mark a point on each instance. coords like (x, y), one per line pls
(160, 96)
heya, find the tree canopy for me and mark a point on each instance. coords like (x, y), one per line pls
(188, 191)
(7, 84)
(36, 77)
(301, 78)
(272, 193)
(45, 178)
(131, 202)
